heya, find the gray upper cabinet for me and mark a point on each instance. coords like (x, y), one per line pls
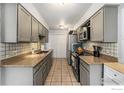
(44, 34)
(43, 31)
(78, 33)
(9, 22)
(34, 30)
(24, 25)
(16, 24)
(47, 33)
(104, 24)
(97, 26)
(40, 29)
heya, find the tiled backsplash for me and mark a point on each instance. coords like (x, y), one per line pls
(107, 48)
(10, 50)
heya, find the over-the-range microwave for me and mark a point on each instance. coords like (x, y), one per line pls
(84, 33)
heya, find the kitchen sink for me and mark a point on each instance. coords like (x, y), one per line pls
(40, 52)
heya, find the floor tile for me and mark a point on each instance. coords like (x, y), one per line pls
(73, 79)
(67, 83)
(47, 83)
(57, 79)
(56, 75)
(66, 78)
(50, 73)
(65, 73)
(61, 74)
(48, 79)
(56, 83)
(76, 83)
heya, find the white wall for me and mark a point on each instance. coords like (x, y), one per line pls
(121, 33)
(94, 8)
(57, 41)
(0, 22)
(0, 41)
(30, 7)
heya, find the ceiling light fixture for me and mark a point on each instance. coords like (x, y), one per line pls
(61, 4)
(61, 26)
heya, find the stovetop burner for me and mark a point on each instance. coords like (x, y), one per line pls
(83, 54)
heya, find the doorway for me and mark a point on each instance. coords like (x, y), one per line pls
(57, 42)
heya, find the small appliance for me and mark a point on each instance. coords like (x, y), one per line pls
(96, 51)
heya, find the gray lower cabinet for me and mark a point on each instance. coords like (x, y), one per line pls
(90, 74)
(84, 74)
(104, 23)
(27, 75)
(41, 72)
(37, 77)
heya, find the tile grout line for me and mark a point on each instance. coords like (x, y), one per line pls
(61, 72)
(53, 71)
(63, 65)
(70, 75)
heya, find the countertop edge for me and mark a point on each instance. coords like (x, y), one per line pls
(27, 66)
(117, 68)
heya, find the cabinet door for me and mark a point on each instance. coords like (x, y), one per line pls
(43, 31)
(24, 25)
(97, 26)
(40, 32)
(83, 76)
(40, 29)
(38, 77)
(43, 34)
(34, 30)
(78, 34)
(46, 38)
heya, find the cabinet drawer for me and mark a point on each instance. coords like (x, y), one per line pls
(115, 75)
(85, 65)
(37, 67)
(109, 81)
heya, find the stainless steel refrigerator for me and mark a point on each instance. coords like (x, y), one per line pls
(71, 40)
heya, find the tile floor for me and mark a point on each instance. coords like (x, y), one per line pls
(61, 74)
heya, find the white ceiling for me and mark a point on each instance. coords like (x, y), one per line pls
(56, 14)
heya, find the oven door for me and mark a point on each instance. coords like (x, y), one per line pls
(73, 62)
(75, 67)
